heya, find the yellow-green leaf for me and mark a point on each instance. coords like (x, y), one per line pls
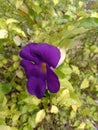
(81, 126)
(40, 116)
(84, 84)
(75, 69)
(55, 2)
(11, 20)
(54, 109)
(19, 74)
(5, 127)
(63, 97)
(18, 3)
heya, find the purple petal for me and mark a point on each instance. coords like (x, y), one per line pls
(36, 86)
(52, 81)
(49, 54)
(26, 53)
(32, 69)
(41, 52)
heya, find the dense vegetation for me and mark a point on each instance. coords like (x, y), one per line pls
(66, 24)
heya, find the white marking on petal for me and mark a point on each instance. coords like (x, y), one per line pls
(63, 56)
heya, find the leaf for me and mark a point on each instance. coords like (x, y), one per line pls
(11, 20)
(18, 41)
(81, 4)
(16, 65)
(18, 3)
(15, 57)
(67, 40)
(74, 99)
(56, 2)
(40, 116)
(63, 97)
(94, 49)
(5, 88)
(89, 23)
(65, 43)
(3, 33)
(84, 84)
(5, 127)
(65, 84)
(94, 14)
(23, 10)
(3, 23)
(72, 115)
(32, 100)
(19, 74)
(54, 109)
(75, 107)
(67, 72)
(68, 98)
(16, 117)
(36, 8)
(3, 100)
(75, 70)
(17, 29)
(81, 126)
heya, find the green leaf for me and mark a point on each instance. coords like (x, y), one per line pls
(74, 99)
(64, 96)
(36, 8)
(89, 23)
(5, 88)
(68, 97)
(3, 23)
(75, 70)
(3, 100)
(72, 115)
(67, 40)
(84, 84)
(65, 84)
(15, 58)
(17, 30)
(82, 126)
(32, 100)
(67, 72)
(16, 117)
(16, 65)
(94, 49)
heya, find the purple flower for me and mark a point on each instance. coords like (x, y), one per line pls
(38, 62)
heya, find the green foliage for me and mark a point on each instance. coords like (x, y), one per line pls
(68, 24)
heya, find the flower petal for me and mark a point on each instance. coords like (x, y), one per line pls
(62, 57)
(26, 53)
(32, 69)
(36, 86)
(52, 81)
(46, 52)
(41, 52)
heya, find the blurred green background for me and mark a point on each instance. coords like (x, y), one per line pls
(71, 24)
